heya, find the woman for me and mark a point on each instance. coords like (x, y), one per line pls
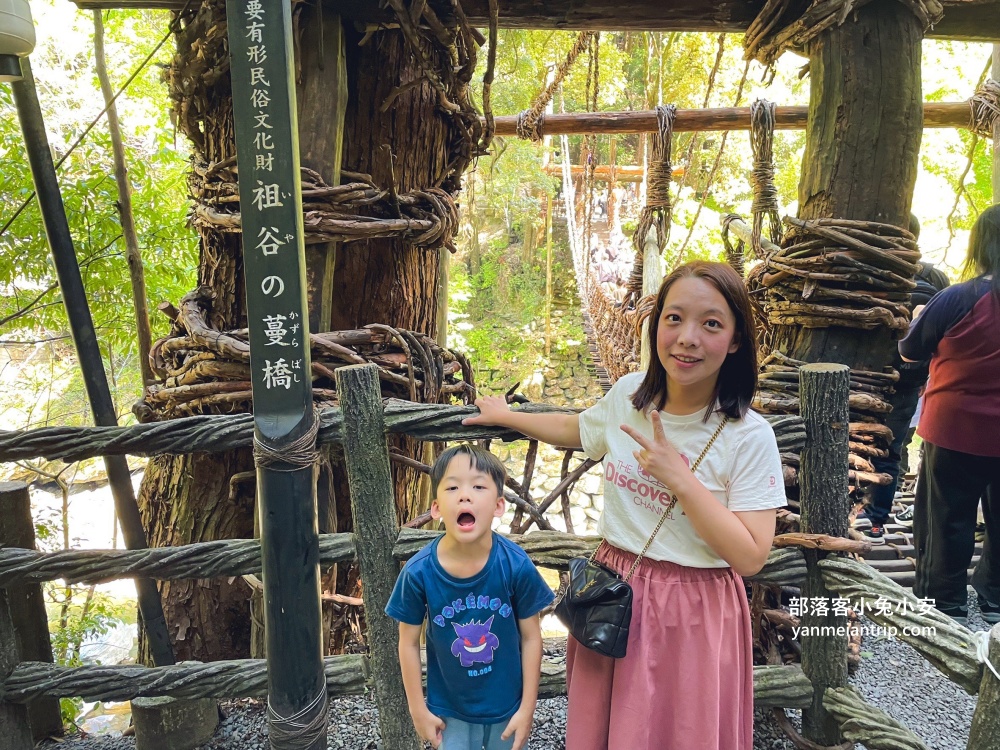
(959, 330)
(687, 679)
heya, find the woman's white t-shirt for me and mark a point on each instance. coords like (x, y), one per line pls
(742, 470)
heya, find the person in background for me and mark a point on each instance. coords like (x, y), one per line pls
(959, 331)
(912, 378)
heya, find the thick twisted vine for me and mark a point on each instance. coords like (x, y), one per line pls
(247, 678)
(240, 557)
(213, 434)
(354, 211)
(447, 54)
(951, 648)
(237, 678)
(862, 722)
(221, 558)
(853, 274)
(783, 24)
(657, 211)
(529, 121)
(985, 108)
(201, 369)
(777, 393)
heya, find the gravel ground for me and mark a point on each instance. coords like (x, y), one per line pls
(891, 676)
(904, 685)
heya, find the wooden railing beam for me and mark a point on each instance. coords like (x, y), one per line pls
(936, 115)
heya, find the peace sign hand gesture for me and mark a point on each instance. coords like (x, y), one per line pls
(659, 458)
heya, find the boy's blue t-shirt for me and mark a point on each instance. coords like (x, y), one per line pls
(473, 641)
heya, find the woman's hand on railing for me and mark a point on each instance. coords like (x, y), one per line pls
(493, 410)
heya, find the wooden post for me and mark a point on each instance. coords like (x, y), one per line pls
(267, 151)
(24, 630)
(824, 507)
(15, 731)
(321, 100)
(985, 731)
(375, 530)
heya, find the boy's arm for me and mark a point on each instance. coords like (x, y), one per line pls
(531, 672)
(428, 726)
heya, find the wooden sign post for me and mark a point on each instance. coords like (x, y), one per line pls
(267, 148)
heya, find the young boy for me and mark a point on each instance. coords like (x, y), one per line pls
(481, 596)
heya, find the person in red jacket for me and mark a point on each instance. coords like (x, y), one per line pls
(959, 331)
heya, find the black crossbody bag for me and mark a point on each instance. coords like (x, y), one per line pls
(597, 605)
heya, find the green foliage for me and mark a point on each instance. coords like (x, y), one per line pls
(497, 309)
(30, 304)
(86, 617)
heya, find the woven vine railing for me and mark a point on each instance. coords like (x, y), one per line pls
(237, 557)
(216, 433)
(951, 649)
(778, 686)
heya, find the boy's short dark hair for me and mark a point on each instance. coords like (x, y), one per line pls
(481, 459)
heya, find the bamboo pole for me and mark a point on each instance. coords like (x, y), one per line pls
(936, 115)
(133, 255)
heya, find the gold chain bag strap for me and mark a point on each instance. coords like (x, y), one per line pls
(597, 606)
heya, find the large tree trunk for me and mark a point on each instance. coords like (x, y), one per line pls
(862, 146)
(188, 499)
(390, 281)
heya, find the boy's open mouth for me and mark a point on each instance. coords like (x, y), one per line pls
(466, 521)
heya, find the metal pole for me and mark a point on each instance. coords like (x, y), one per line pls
(267, 150)
(85, 338)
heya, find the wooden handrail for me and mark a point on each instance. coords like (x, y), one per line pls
(936, 115)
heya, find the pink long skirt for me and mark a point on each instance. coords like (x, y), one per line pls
(687, 681)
